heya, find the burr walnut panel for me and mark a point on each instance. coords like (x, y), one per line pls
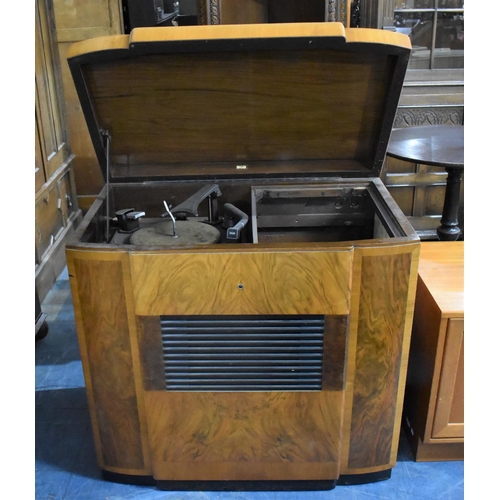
(107, 359)
(381, 357)
(245, 436)
(246, 282)
(351, 424)
(150, 346)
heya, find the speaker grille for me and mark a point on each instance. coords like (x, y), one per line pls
(243, 353)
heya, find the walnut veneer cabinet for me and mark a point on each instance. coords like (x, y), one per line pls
(276, 349)
(434, 401)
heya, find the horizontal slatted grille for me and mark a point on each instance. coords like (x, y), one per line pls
(243, 353)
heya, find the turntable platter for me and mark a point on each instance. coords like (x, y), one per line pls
(188, 233)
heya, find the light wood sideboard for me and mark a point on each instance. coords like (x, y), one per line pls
(433, 414)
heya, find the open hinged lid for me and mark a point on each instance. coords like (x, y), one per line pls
(308, 99)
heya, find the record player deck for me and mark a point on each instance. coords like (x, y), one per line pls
(183, 227)
(287, 213)
(244, 283)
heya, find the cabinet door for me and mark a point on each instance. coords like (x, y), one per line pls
(39, 169)
(51, 147)
(78, 20)
(449, 415)
(81, 19)
(49, 221)
(56, 210)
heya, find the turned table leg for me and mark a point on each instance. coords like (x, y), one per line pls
(449, 230)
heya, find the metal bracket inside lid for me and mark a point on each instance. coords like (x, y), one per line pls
(107, 144)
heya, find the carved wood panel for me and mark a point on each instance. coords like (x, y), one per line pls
(229, 11)
(414, 117)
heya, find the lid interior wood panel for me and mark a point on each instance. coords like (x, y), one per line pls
(248, 106)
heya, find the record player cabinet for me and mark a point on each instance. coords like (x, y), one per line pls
(281, 355)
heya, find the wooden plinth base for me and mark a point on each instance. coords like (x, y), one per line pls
(434, 452)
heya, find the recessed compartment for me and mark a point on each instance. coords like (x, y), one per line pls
(321, 213)
(288, 213)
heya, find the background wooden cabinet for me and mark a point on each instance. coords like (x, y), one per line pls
(433, 413)
(56, 207)
(77, 20)
(272, 11)
(449, 416)
(429, 96)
